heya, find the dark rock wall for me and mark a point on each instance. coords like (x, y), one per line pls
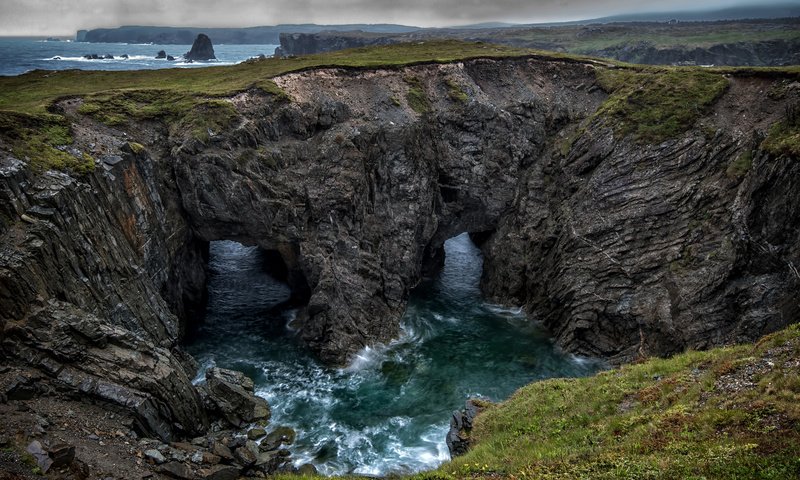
(620, 248)
(90, 267)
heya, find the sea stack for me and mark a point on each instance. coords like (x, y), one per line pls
(201, 49)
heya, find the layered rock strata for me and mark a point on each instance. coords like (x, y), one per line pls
(621, 248)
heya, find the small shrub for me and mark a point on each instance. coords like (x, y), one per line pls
(740, 165)
(657, 104)
(416, 97)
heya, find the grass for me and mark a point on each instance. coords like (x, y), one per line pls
(740, 165)
(784, 135)
(43, 141)
(456, 92)
(654, 104)
(416, 97)
(35, 92)
(661, 419)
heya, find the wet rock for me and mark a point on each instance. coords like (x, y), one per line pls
(124, 56)
(278, 437)
(170, 58)
(201, 49)
(458, 437)
(307, 469)
(161, 54)
(155, 456)
(256, 433)
(232, 392)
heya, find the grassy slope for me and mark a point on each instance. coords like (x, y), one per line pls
(725, 413)
(32, 93)
(652, 103)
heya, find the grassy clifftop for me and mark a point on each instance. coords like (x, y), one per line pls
(34, 92)
(726, 413)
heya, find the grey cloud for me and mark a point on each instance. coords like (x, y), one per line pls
(62, 17)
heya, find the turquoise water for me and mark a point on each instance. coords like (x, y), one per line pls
(388, 412)
(18, 56)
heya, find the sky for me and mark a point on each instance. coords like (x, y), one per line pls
(64, 17)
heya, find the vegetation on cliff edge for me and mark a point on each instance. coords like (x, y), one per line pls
(727, 413)
(655, 104)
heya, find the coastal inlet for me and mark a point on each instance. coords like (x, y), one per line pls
(388, 411)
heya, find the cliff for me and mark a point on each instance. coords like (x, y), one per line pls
(263, 35)
(633, 211)
(748, 42)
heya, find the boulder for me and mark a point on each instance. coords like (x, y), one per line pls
(201, 49)
(244, 456)
(61, 455)
(232, 393)
(307, 470)
(256, 433)
(155, 456)
(278, 437)
(221, 450)
(161, 54)
(40, 455)
(170, 58)
(177, 470)
(219, 472)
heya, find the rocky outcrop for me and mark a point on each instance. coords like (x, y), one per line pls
(91, 282)
(232, 394)
(620, 247)
(201, 49)
(458, 436)
(766, 53)
(307, 43)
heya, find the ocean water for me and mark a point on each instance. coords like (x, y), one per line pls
(18, 56)
(389, 410)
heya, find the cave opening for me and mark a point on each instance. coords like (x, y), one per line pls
(248, 288)
(389, 410)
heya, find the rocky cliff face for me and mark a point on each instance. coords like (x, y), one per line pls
(621, 247)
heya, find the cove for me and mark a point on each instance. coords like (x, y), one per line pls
(388, 411)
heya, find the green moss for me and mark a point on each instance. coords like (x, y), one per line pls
(455, 92)
(661, 419)
(784, 136)
(41, 141)
(136, 148)
(655, 104)
(416, 97)
(740, 165)
(205, 119)
(395, 101)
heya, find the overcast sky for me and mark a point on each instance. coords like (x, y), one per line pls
(64, 17)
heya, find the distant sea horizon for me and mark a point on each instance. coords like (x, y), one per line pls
(19, 55)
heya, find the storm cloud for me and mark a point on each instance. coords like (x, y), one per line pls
(63, 17)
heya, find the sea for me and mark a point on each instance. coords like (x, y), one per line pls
(20, 55)
(388, 411)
